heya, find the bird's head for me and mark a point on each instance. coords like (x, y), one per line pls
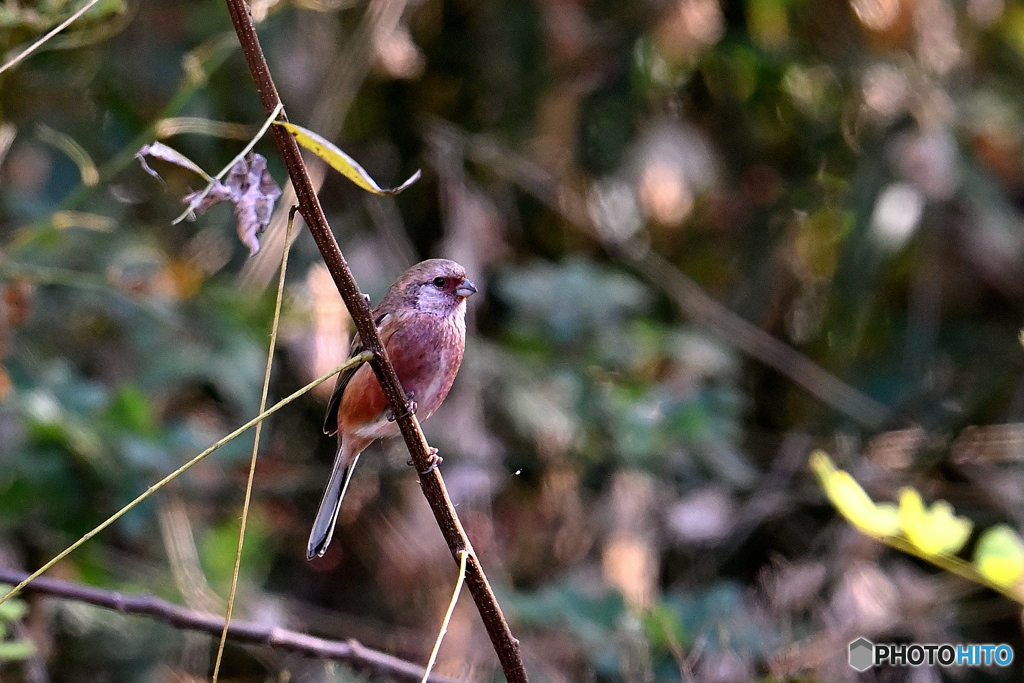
(436, 285)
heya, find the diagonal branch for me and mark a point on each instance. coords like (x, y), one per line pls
(687, 294)
(241, 631)
(505, 645)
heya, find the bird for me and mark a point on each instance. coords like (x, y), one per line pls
(422, 324)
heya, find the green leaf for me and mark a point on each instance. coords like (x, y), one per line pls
(132, 410)
(341, 162)
(664, 627)
(999, 556)
(218, 548)
(12, 610)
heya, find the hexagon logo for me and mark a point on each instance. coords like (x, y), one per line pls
(862, 654)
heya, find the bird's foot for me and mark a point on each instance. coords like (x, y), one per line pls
(410, 408)
(433, 460)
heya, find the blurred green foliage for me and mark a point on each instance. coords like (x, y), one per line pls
(13, 649)
(847, 176)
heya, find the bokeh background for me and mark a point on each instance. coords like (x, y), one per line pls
(708, 236)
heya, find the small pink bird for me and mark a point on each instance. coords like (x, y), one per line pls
(422, 324)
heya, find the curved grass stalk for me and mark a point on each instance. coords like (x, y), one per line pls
(361, 358)
(54, 31)
(255, 448)
(463, 556)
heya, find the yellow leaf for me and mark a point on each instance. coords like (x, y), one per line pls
(339, 161)
(999, 556)
(935, 531)
(852, 501)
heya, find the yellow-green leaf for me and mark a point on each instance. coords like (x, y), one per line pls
(17, 650)
(12, 610)
(935, 530)
(999, 556)
(852, 502)
(339, 161)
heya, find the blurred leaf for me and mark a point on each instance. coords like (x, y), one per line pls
(817, 245)
(12, 610)
(219, 546)
(105, 7)
(74, 151)
(664, 627)
(882, 520)
(573, 298)
(721, 615)
(769, 22)
(592, 619)
(935, 531)
(999, 556)
(637, 425)
(131, 410)
(1012, 27)
(16, 650)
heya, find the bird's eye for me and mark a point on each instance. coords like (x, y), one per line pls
(439, 282)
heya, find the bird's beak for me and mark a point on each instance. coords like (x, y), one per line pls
(466, 289)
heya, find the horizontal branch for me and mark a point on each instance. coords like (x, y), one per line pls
(4, 596)
(348, 651)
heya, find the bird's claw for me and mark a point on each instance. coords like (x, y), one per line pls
(410, 408)
(433, 460)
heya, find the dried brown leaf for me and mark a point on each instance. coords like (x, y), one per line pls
(253, 191)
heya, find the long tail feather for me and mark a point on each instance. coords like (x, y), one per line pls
(327, 515)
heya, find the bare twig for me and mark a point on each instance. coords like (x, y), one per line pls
(505, 645)
(240, 631)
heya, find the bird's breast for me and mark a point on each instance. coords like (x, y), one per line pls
(426, 352)
(426, 356)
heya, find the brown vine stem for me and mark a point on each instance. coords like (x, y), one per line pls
(177, 616)
(505, 645)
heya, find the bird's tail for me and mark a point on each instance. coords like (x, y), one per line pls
(327, 515)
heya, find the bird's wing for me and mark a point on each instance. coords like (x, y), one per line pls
(331, 420)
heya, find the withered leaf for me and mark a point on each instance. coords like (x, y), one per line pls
(253, 191)
(248, 185)
(159, 150)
